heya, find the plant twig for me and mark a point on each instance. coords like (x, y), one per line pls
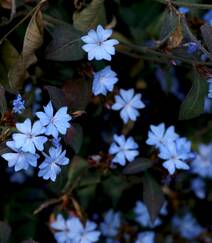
(187, 4)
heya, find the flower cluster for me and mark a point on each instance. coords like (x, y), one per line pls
(18, 104)
(31, 139)
(173, 149)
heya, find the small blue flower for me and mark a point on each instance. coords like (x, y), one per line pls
(104, 81)
(50, 167)
(192, 47)
(142, 216)
(175, 154)
(61, 228)
(146, 237)
(210, 88)
(56, 142)
(123, 149)
(187, 226)
(183, 10)
(97, 46)
(128, 103)
(202, 165)
(18, 104)
(18, 159)
(199, 187)
(83, 233)
(29, 140)
(55, 124)
(160, 136)
(111, 224)
(208, 17)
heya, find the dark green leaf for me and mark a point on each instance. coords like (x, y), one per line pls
(193, 105)
(57, 96)
(74, 137)
(90, 16)
(152, 195)
(66, 44)
(138, 165)
(5, 232)
(3, 102)
(206, 30)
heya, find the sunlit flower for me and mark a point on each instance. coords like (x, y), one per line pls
(183, 10)
(55, 124)
(18, 104)
(128, 103)
(145, 237)
(29, 140)
(123, 149)
(18, 159)
(97, 44)
(104, 81)
(50, 167)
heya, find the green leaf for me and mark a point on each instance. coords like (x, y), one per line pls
(66, 44)
(152, 195)
(74, 137)
(206, 30)
(193, 105)
(90, 16)
(3, 102)
(57, 96)
(5, 232)
(137, 166)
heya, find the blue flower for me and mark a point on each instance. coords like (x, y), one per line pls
(81, 233)
(18, 159)
(146, 237)
(56, 142)
(123, 149)
(208, 17)
(61, 229)
(159, 136)
(128, 103)
(104, 81)
(210, 88)
(18, 104)
(111, 225)
(187, 226)
(55, 124)
(183, 10)
(29, 140)
(97, 46)
(175, 154)
(202, 165)
(50, 167)
(142, 216)
(199, 187)
(192, 47)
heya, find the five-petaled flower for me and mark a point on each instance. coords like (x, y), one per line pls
(128, 103)
(18, 159)
(97, 44)
(104, 81)
(50, 167)
(55, 124)
(29, 139)
(123, 149)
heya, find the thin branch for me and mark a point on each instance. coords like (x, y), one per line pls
(187, 4)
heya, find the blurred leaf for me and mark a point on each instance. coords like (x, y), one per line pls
(57, 96)
(5, 232)
(152, 195)
(78, 167)
(66, 44)
(3, 102)
(30, 241)
(193, 105)
(77, 93)
(74, 137)
(138, 165)
(33, 39)
(90, 16)
(114, 186)
(206, 30)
